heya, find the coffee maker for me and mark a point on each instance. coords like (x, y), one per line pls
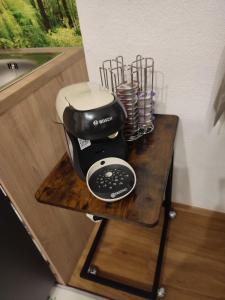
(93, 120)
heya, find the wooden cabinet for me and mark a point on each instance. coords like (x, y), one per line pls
(31, 145)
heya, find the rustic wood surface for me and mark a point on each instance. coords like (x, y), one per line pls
(150, 156)
(194, 264)
(31, 145)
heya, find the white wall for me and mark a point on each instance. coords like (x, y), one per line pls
(187, 40)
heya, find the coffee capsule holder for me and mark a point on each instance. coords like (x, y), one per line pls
(133, 85)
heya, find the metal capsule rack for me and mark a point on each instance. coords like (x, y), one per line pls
(133, 85)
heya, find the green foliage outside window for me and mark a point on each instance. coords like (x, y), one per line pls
(39, 23)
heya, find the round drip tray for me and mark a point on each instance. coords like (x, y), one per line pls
(111, 179)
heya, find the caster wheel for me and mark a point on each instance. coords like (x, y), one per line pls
(161, 292)
(172, 214)
(92, 270)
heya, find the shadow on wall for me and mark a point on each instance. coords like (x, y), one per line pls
(218, 130)
(210, 116)
(220, 205)
(181, 180)
(161, 91)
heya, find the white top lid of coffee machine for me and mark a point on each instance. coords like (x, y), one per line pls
(82, 96)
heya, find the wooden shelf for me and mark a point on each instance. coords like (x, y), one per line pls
(126, 247)
(194, 257)
(127, 253)
(150, 156)
(194, 261)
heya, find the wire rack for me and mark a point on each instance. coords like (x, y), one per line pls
(133, 85)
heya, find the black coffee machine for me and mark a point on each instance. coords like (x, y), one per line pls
(93, 121)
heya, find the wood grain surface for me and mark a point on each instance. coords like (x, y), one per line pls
(150, 156)
(194, 264)
(31, 145)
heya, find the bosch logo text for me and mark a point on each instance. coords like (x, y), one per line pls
(102, 121)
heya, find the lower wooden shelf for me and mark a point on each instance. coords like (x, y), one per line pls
(194, 264)
(127, 253)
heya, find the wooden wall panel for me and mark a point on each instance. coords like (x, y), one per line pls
(31, 145)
